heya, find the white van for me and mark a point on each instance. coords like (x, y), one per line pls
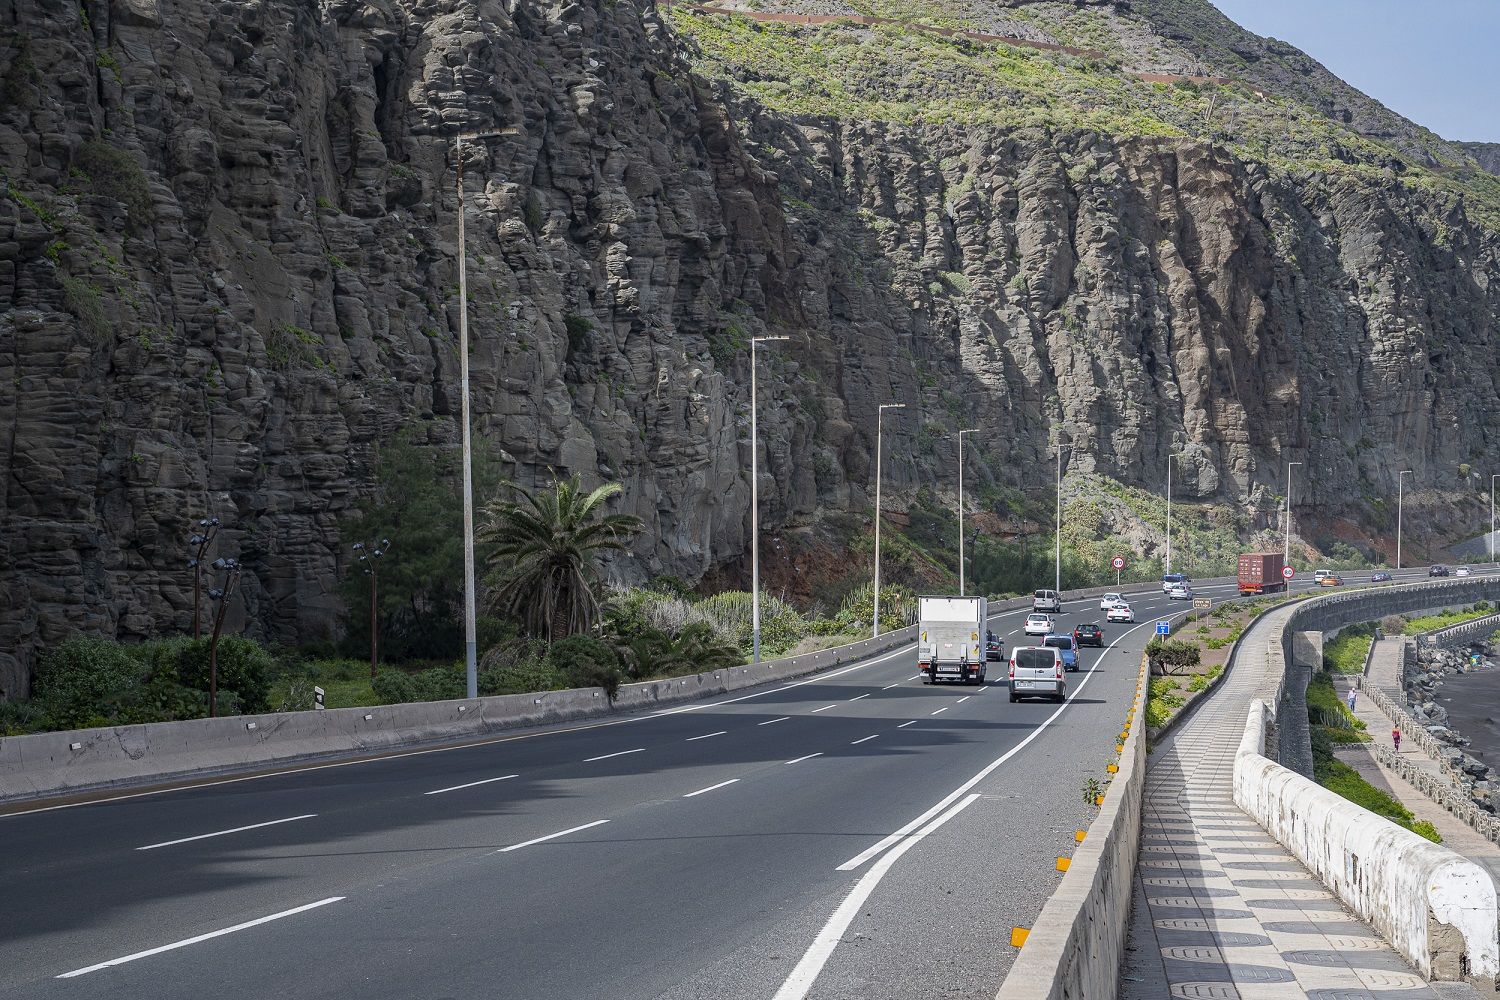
(1037, 672)
(1047, 600)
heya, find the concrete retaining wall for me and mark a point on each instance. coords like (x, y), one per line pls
(1436, 908)
(1463, 633)
(1076, 944)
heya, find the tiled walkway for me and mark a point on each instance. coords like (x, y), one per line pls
(1223, 912)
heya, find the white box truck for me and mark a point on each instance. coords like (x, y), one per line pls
(950, 639)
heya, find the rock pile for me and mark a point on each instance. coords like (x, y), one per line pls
(1423, 679)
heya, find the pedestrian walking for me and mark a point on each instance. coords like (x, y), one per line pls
(1396, 739)
(1352, 694)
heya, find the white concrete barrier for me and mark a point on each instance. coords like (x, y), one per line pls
(1436, 908)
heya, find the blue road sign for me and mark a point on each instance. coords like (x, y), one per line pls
(1163, 628)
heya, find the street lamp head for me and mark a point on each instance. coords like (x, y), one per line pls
(192, 564)
(893, 406)
(220, 563)
(196, 540)
(770, 340)
(359, 546)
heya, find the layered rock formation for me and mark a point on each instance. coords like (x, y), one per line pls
(228, 270)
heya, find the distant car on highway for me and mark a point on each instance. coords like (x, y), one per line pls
(1380, 576)
(1064, 643)
(1462, 571)
(1120, 613)
(1037, 624)
(1110, 600)
(1037, 671)
(1180, 592)
(1320, 574)
(1089, 634)
(1437, 569)
(1170, 580)
(994, 649)
(1330, 579)
(1047, 600)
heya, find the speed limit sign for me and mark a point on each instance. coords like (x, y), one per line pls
(1118, 562)
(1288, 572)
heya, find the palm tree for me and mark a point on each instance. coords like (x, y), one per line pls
(546, 547)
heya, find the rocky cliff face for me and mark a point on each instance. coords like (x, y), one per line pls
(228, 269)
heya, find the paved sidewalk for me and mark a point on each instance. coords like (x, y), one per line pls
(1220, 910)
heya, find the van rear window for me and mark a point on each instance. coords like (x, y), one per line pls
(1035, 659)
(1040, 593)
(1059, 642)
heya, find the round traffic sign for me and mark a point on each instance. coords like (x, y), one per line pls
(1288, 572)
(1118, 562)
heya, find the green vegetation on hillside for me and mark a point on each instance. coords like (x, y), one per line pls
(1345, 654)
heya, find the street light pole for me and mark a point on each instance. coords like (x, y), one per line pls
(972, 430)
(1168, 570)
(471, 651)
(1400, 501)
(1057, 538)
(370, 555)
(755, 508)
(1492, 518)
(879, 430)
(1286, 558)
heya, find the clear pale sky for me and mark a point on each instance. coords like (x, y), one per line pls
(1430, 60)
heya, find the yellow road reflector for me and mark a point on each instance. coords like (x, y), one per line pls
(1078, 835)
(1119, 748)
(1098, 800)
(1018, 936)
(1113, 768)
(1063, 863)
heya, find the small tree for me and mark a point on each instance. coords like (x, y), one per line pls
(546, 549)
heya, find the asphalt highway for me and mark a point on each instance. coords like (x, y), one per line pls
(857, 834)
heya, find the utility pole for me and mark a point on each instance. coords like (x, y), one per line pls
(1168, 570)
(1057, 538)
(1286, 558)
(973, 430)
(879, 429)
(471, 652)
(755, 507)
(370, 555)
(1400, 501)
(1492, 518)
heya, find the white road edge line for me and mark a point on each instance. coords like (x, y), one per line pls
(865, 740)
(486, 781)
(802, 977)
(201, 937)
(989, 768)
(808, 757)
(607, 756)
(769, 721)
(551, 836)
(220, 833)
(705, 736)
(711, 788)
(823, 709)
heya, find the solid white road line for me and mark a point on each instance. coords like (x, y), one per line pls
(865, 740)
(865, 695)
(220, 833)
(802, 977)
(551, 836)
(985, 771)
(201, 937)
(711, 788)
(486, 781)
(823, 709)
(903, 725)
(705, 736)
(942, 710)
(769, 721)
(808, 757)
(619, 753)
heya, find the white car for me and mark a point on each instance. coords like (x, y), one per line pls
(1320, 574)
(1462, 571)
(1180, 592)
(1121, 612)
(1110, 600)
(1171, 580)
(1037, 624)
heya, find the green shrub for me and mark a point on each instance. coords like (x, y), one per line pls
(1345, 654)
(586, 662)
(116, 174)
(85, 682)
(82, 300)
(244, 668)
(522, 677)
(1162, 701)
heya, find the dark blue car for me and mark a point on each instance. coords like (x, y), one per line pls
(1067, 646)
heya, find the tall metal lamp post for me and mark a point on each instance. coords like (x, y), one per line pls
(1286, 557)
(972, 430)
(1492, 518)
(755, 506)
(471, 652)
(1400, 502)
(231, 570)
(208, 528)
(370, 555)
(879, 429)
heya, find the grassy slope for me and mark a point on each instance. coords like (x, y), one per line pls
(901, 76)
